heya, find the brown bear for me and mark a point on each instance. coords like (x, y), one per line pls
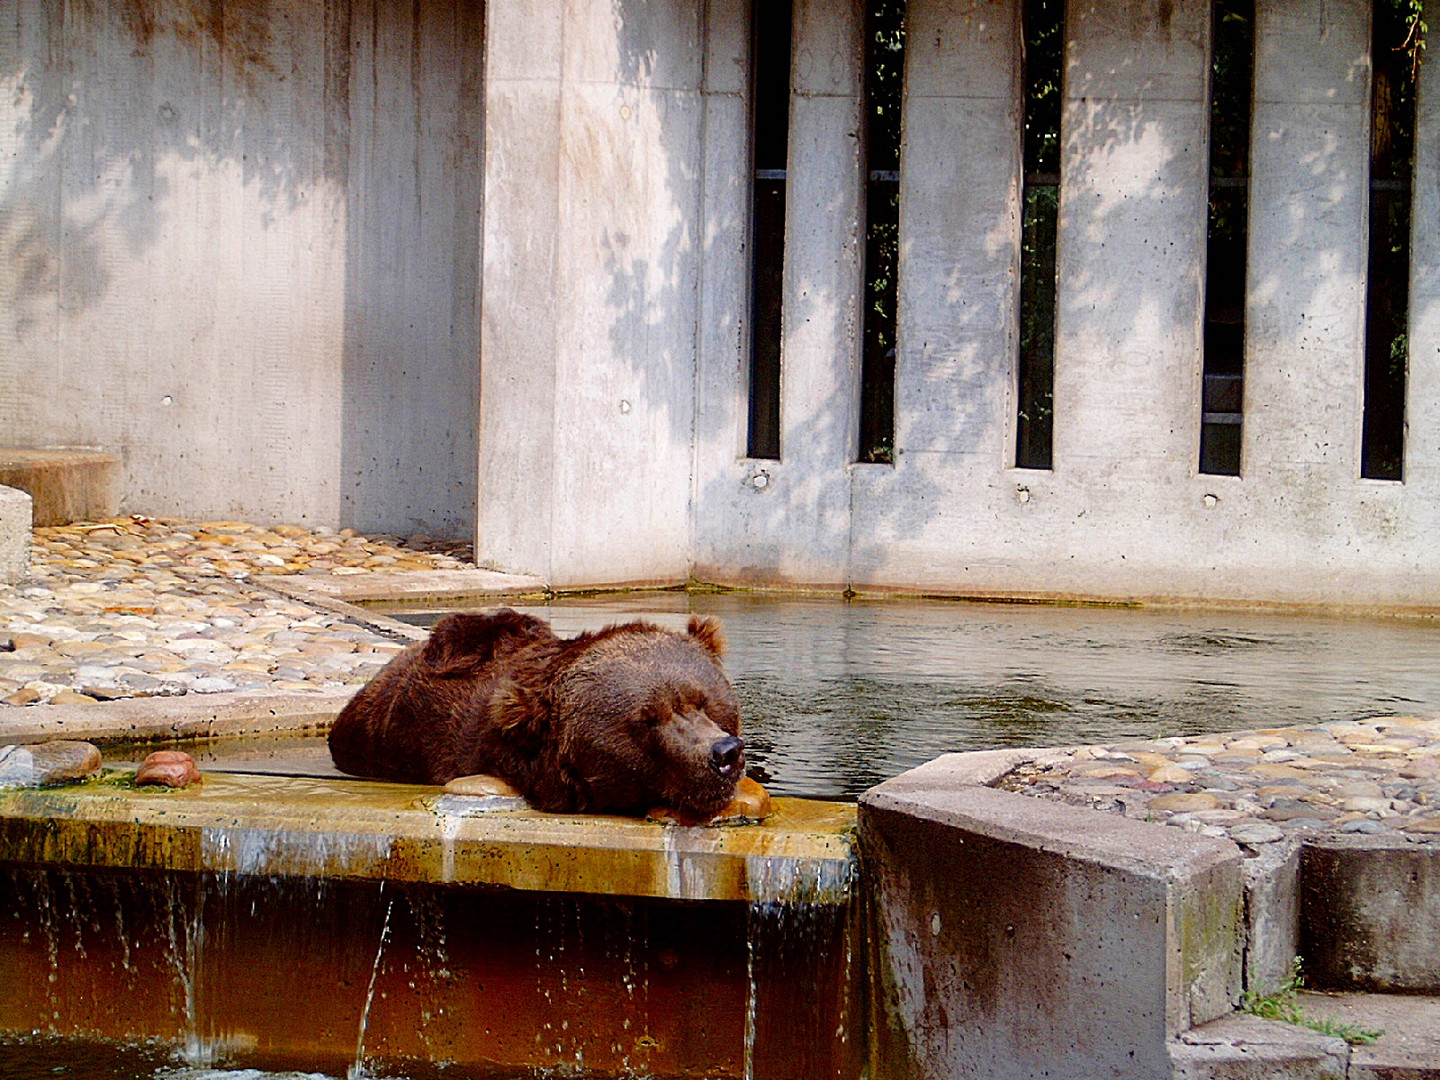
(614, 721)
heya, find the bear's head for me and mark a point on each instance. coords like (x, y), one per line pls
(647, 716)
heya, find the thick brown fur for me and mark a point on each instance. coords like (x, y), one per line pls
(619, 720)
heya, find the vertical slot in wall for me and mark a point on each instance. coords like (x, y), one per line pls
(770, 126)
(1222, 395)
(1043, 75)
(1394, 61)
(884, 93)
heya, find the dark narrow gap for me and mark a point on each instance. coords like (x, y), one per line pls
(770, 35)
(1387, 293)
(1043, 56)
(884, 93)
(1222, 412)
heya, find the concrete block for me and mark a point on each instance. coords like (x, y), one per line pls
(1242, 1047)
(1371, 915)
(15, 509)
(1019, 938)
(64, 485)
(1272, 916)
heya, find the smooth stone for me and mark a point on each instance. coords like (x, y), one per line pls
(1182, 802)
(1257, 833)
(1367, 805)
(1364, 826)
(58, 761)
(168, 768)
(1170, 774)
(1293, 810)
(208, 684)
(71, 697)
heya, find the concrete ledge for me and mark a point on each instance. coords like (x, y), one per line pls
(190, 716)
(1408, 1047)
(15, 527)
(1370, 914)
(282, 826)
(411, 586)
(66, 485)
(1242, 1047)
(1038, 939)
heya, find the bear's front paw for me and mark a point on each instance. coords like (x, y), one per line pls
(751, 803)
(484, 785)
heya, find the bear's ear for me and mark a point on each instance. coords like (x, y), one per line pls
(707, 632)
(461, 644)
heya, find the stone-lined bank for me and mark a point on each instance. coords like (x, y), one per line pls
(136, 607)
(1376, 776)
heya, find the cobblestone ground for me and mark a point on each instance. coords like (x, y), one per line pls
(1370, 776)
(137, 607)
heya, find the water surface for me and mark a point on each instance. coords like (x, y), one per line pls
(840, 695)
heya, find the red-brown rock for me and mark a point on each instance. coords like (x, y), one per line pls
(172, 768)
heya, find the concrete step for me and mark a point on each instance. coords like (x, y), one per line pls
(1243, 1047)
(64, 485)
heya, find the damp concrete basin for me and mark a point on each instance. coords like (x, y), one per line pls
(358, 829)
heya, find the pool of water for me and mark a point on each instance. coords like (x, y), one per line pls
(840, 695)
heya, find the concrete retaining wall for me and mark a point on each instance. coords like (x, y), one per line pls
(1036, 939)
(240, 248)
(248, 255)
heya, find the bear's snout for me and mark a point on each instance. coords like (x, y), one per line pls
(727, 755)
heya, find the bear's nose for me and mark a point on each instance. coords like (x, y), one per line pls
(728, 756)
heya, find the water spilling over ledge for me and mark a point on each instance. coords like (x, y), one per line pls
(303, 923)
(287, 826)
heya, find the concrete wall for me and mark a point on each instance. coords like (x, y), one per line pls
(1124, 513)
(245, 251)
(239, 246)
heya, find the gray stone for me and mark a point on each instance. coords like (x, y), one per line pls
(1258, 833)
(56, 762)
(15, 511)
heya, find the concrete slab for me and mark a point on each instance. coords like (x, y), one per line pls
(1243, 1047)
(15, 524)
(415, 586)
(194, 716)
(1408, 1049)
(66, 485)
(1039, 939)
(316, 828)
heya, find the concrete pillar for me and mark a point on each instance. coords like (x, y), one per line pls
(959, 228)
(590, 285)
(724, 331)
(1132, 240)
(789, 520)
(1305, 341)
(1422, 444)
